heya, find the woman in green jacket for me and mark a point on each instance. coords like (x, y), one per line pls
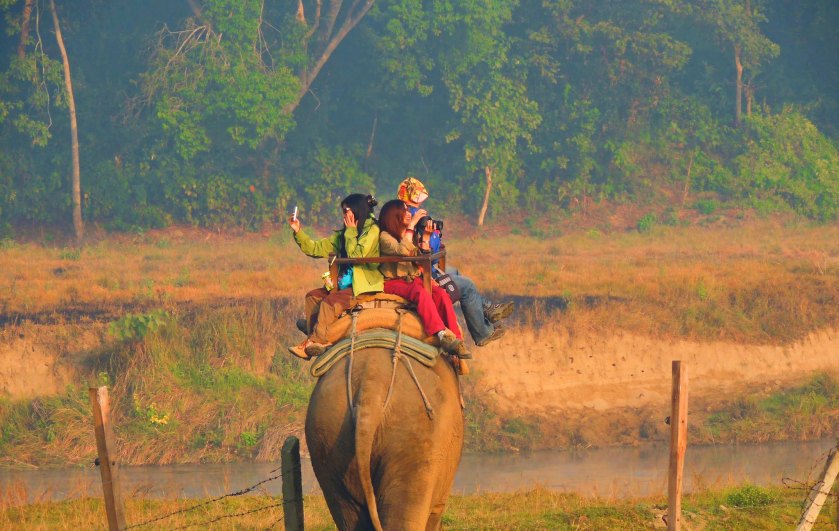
(358, 239)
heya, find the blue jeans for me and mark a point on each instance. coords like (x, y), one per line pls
(472, 305)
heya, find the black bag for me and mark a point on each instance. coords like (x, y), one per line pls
(446, 282)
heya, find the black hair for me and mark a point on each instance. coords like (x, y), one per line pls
(362, 207)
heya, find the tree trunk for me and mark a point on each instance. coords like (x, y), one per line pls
(687, 179)
(301, 12)
(750, 93)
(738, 108)
(488, 172)
(78, 226)
(24, 28)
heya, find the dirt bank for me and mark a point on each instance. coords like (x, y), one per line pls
(549, 370)
(41, 360)
(527, 372)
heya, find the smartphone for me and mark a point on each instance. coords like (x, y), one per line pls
(294, 214)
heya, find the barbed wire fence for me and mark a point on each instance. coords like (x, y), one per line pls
(218, 499)
(292, 496)
(290, 471)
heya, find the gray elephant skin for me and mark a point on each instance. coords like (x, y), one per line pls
(391, 467)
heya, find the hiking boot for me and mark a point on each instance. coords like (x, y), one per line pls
(496, 312)
(303, 326)
(316, 349)
(454, 346)
(497, 332)
(300, 350)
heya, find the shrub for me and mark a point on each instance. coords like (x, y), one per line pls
(132, 327)
(786, 158)
(749, 496)
(646, 223)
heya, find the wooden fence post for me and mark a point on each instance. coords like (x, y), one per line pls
(678, 445)
(818, 494)
(292, 485)
(108, 467)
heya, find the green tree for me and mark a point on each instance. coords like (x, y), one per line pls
(736, 25)
(464, 49)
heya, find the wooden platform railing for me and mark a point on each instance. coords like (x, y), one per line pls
(425, 260)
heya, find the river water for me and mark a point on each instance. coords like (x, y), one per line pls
(605, 472)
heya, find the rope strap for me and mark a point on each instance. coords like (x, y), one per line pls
(349, 364)
(375, 338)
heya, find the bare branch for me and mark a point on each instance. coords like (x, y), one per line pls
(331, 19)
(351, 21)
(316, 24)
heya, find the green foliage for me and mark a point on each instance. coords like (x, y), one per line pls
(786, 159)
(706, 206)
(647, 222)
(69, 253)
(750, 496)
(131, 327)
(565, 103)
(211, 85)
(333, 174)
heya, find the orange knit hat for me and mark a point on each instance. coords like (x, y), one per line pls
(411, 190)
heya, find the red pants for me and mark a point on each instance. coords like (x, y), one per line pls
(435, 309)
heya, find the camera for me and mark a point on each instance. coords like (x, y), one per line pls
(435, 224)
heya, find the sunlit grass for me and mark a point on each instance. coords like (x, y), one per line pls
(734, 508)
(759, 283)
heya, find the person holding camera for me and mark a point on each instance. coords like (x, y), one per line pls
(482, 316)
(405, 279)
(358, 239)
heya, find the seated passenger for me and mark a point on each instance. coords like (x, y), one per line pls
(405, 279)
(483, 318)
(358, 239)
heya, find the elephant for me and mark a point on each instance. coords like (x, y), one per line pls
(391, 463)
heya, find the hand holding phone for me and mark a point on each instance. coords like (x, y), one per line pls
(293, 222)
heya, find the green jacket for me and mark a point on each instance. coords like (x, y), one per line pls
(366, 277)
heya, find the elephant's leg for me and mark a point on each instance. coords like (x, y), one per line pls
(350, 515)
(404, 498)
(435, 519)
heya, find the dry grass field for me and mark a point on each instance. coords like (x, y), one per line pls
(761, 282)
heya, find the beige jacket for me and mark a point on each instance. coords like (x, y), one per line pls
(390, 246)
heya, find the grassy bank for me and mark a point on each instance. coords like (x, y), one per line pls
(217, 385)
(805, 412)
(737, 508)
(208, 386)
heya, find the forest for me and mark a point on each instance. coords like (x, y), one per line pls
(129, 115)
